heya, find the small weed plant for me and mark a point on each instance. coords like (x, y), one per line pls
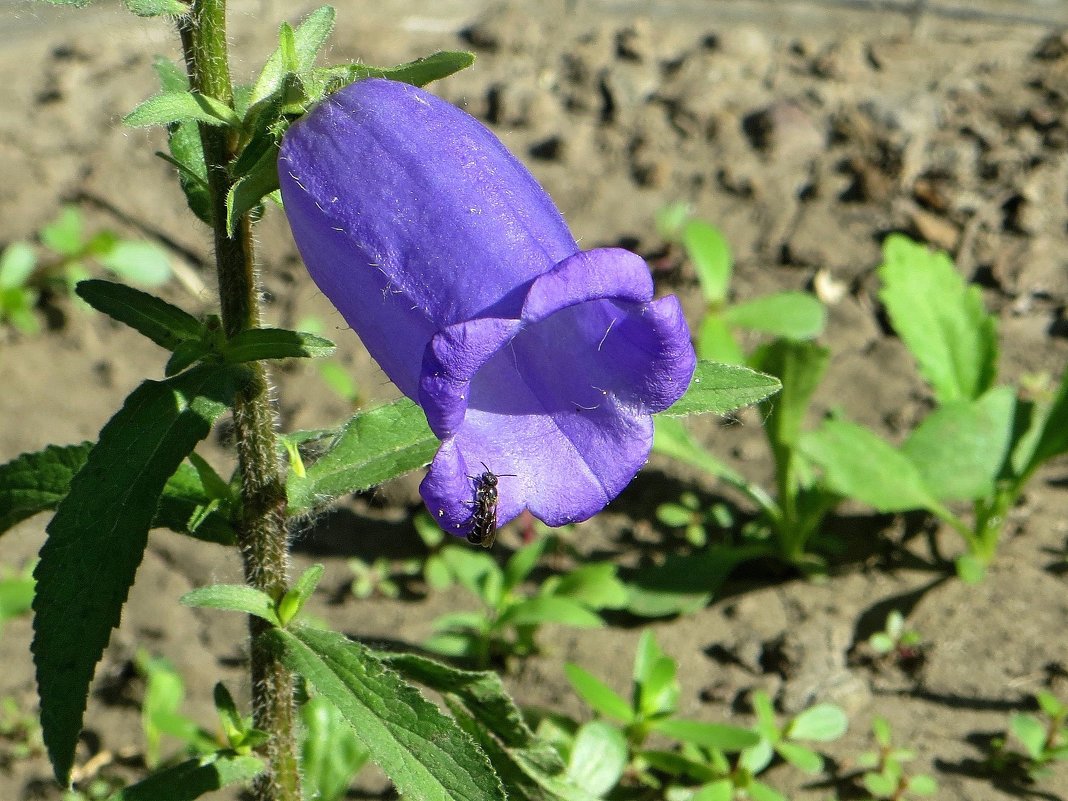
(884, 776)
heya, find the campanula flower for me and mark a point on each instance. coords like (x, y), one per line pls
(532, 359)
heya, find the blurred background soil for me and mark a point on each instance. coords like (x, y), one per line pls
(806, 131)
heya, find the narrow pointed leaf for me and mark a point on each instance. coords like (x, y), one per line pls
(293, 601)
(37, 482)
(165, 324)
(250, 190)
(940, 318)
(1054, 438)
(157, 8)
(423, 752)
(254, 344)
(721, 388)
(187, 151)
(800, 367)
(418, 73)
(708, 735)
(308, 39)
(176, 107)
(372, 447)
(98, 535)
(711, 257)
(235, 598)
(597, 694)
(192, 779)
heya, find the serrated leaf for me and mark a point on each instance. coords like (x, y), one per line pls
(721, 388)
(254, 344)
(372, 447)
(193, 778)
(597, 694)
(711, 257)
(793, 315)
(418, 73)
(308, 39)
(37, 482)
(940, 319)
(177, 107)
(157, 8)
(251, 188)
(423, 752)
(234, 598)
(708, 735)
(821, 723)
(598, 757)
(960, 447)
(165, 324)
(97, 537)
(858, 464)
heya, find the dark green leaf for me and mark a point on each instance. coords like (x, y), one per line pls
(250, 189)
(234, 598)
(418, 73)
(598, 757)
(940, 318)
(37, 482)
(97, 537)
(157, 8)
(858, 464)
(275, 343)
(373, 447)
(193, 778)
(177, 107)
(164, 324)
(793, 315)
(711, 257)
(189, 508)
(800, 367)
(708, 735)
(960, 447)
(187, 153)
(331, 755)
(721, 388)
(423, 752)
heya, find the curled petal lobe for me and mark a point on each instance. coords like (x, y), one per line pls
(532, 359)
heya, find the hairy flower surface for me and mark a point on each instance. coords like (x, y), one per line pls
(531, 359)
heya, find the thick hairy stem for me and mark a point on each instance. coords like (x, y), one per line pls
(262, 530)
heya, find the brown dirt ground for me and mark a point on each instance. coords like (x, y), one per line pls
(805, 130)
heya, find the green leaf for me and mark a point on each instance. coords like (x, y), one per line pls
(858, 464)
(758, 791)
(715, 342)
(98, 535)
(251, 188)
(940, 319)
(331, 755)
(671, 438)
(960, 447)
(793, 315)
(297, 595)
(1031, 733)
(721, 388)
(418, 73)
(800, 367)
(708, 735)
(1054, 438)
(166, 325)
(800, 757)
(177, 107)
(188, 507)
(307, 40)
(970, 568)
(720, 790)
(141, 262)
(187, 152)
(254, 344)
(537, 610)
(17, 262)
(372, 447)
(522, 562)
(922, 785)
(711, 257)
(597, 694)
(193, 778)
(157, 8)
(16, 596)
(37, 482)
(594, 585)
(598, 757)
(235, 598)
(424, 753)
(66, 233)
(822, 723)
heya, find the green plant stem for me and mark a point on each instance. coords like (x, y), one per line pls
(262, 528)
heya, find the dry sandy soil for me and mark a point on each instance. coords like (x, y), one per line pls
(806, 131)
